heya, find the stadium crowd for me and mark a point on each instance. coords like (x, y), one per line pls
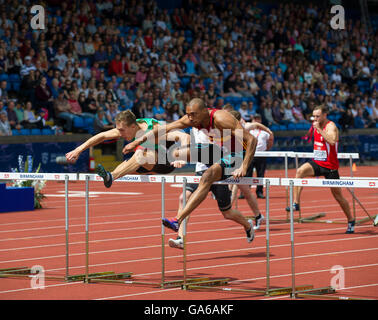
(96, 58)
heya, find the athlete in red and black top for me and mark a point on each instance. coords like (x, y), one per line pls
(325, 162)
(230, 132)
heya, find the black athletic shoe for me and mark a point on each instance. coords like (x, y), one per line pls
(106, 175)
(350, 228)
(260, 195)
(295, 207)
(250, 232)
(258, 220)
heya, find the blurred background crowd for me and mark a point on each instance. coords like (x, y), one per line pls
(96, 58)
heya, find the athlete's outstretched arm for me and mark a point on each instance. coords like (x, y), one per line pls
(73, 155)
(158, 131)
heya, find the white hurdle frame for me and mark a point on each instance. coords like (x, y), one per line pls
(66, 177)
(210, 284)
(325, 183)
(306, 155)
(117, 278)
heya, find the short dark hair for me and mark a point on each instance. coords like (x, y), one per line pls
(322, 108)
(126, 116)
(198, 101)
(236, 114)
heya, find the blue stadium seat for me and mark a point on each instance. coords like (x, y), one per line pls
(47, 131)
(15, 132)
(88, 124)
(35, 132)
(291, 126)
(4, 76)
(14, 77)
(274, 127)
(184, 81)
(78, 122)
(16, 85)
(282, 127)
(25, 132)
(301, 126)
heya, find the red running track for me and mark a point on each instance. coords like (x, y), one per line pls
(125, 236)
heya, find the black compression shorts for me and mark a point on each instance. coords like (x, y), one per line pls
(325, 172)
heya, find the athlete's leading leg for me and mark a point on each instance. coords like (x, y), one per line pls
(214, 173)
(141, 158)
(306, 170)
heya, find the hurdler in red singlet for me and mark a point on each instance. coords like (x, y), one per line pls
(325, 154)
(325, 162)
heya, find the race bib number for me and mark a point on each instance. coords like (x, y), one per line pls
(320, 155)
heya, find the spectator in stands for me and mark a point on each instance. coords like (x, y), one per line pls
(90, 103)
(19, 110)
(44, 97)
(359, 120)
(245, 112)
(115, 66)
(148, 111)
(267, 113)
(62, 111)
(12, 116)
(5, 127)
(84, 70)
(158, 111)
(31, 118)
(298, 113)
(100, 123)
(230, 87)
(27, 67)
(368, 113)
(288, 114)
(3, 61)
(278, 111)
(75, 107)
(112, 112)
(28, 85)
(3, 91)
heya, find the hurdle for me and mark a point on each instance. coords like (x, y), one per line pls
(318, 292)
(218, 284)
(21, 272)
(310, 155)
(277, 154)
(119, 278)
(373, 180)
